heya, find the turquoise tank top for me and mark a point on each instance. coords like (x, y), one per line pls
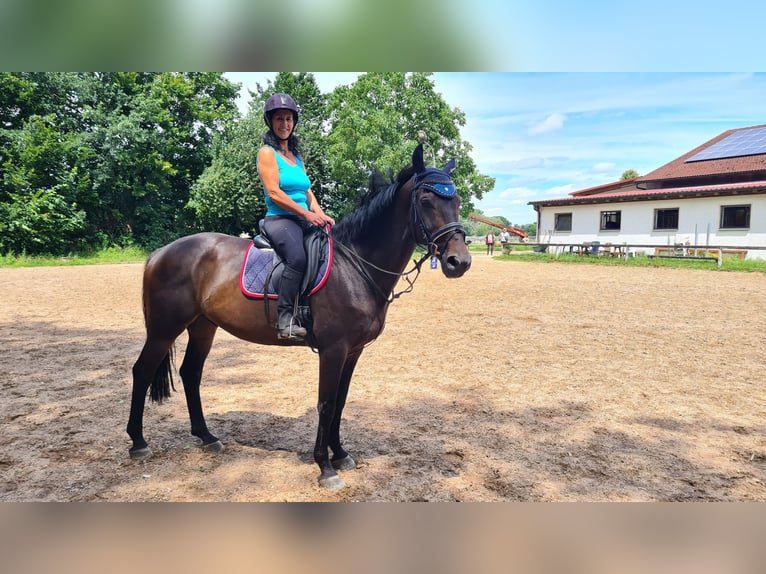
(293, 181)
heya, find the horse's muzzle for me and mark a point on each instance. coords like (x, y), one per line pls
(456, 264)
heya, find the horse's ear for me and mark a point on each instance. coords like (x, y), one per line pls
(417, 159)
(450, 167)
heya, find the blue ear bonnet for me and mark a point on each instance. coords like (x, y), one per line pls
(437, 181)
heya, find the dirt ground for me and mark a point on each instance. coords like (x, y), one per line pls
(521, 381)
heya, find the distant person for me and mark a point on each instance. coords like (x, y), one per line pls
(504, 239)
(489, 239)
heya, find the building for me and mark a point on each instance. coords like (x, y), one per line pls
(712, 196)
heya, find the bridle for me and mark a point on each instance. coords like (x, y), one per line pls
(423, 237)
(417, 225)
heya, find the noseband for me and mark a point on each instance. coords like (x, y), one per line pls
(422, 235)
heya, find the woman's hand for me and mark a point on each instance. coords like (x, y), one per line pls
(320, 219)
(315, 215)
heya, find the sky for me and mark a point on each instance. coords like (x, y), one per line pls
(545, 135)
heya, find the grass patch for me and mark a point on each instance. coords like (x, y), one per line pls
(728, 264)
(110, 255)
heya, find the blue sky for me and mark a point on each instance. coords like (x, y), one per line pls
(544, 135)
(603, 35)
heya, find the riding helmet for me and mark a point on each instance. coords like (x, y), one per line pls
(279, 102)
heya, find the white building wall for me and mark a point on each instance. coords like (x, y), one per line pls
(698, 223)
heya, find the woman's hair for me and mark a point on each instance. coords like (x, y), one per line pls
(293, 142)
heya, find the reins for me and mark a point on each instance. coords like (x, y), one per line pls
(356, 259)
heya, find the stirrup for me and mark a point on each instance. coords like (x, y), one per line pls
(293, 332)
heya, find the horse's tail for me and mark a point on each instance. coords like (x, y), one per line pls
(162, 382)
(163, 379)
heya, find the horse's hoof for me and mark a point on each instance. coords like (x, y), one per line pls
(331, 482)
(214, 447)
(345, 463)
(141, 453)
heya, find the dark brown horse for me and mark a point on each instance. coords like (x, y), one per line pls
(192, 284)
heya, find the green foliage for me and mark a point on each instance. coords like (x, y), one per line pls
(728, 264)
(228, 197)
(108, 157)
(39, 222)
(110, 255)
(92, 160)
(375, 124)
(629, 174)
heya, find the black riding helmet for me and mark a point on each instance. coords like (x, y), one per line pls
(279, 102)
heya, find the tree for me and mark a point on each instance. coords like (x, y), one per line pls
(374, 125)
(228, 197)
(629, 174)
(152, 136)
(110, 157)
(38, 210)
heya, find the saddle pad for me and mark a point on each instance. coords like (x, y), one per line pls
(257, 267)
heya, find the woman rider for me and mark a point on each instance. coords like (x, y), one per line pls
(291, 206)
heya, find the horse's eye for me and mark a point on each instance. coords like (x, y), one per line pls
(426, 202)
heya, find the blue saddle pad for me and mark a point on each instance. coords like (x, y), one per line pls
(257, 268)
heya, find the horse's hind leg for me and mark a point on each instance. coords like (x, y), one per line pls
(154, 356)
(201, 334)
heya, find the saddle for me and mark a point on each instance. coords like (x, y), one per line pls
(262, 267)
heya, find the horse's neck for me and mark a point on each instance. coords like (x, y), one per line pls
(392, 249)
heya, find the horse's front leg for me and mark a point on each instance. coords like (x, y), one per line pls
(331, 369)
(341, 460)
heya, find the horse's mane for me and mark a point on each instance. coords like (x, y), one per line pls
(362, 222)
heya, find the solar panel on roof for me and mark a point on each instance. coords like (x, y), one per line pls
(740, 143)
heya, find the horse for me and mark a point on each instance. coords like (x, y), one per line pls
(192, 284)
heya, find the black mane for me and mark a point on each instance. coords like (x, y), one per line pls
(365, 219)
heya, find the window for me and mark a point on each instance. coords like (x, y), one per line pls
(563, 222)
(610, 220)
(666, 218)
(735, 216)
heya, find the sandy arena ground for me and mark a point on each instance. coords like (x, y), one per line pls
(521, 381)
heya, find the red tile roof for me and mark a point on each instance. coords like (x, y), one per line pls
(678, 168)
(678, 179)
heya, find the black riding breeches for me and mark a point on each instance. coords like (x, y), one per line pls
(286, 236)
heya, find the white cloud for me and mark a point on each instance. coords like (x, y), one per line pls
(552, 123)
(517, 195)
(559, 191)
(523, 163)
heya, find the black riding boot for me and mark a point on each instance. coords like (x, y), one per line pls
(287, 326)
